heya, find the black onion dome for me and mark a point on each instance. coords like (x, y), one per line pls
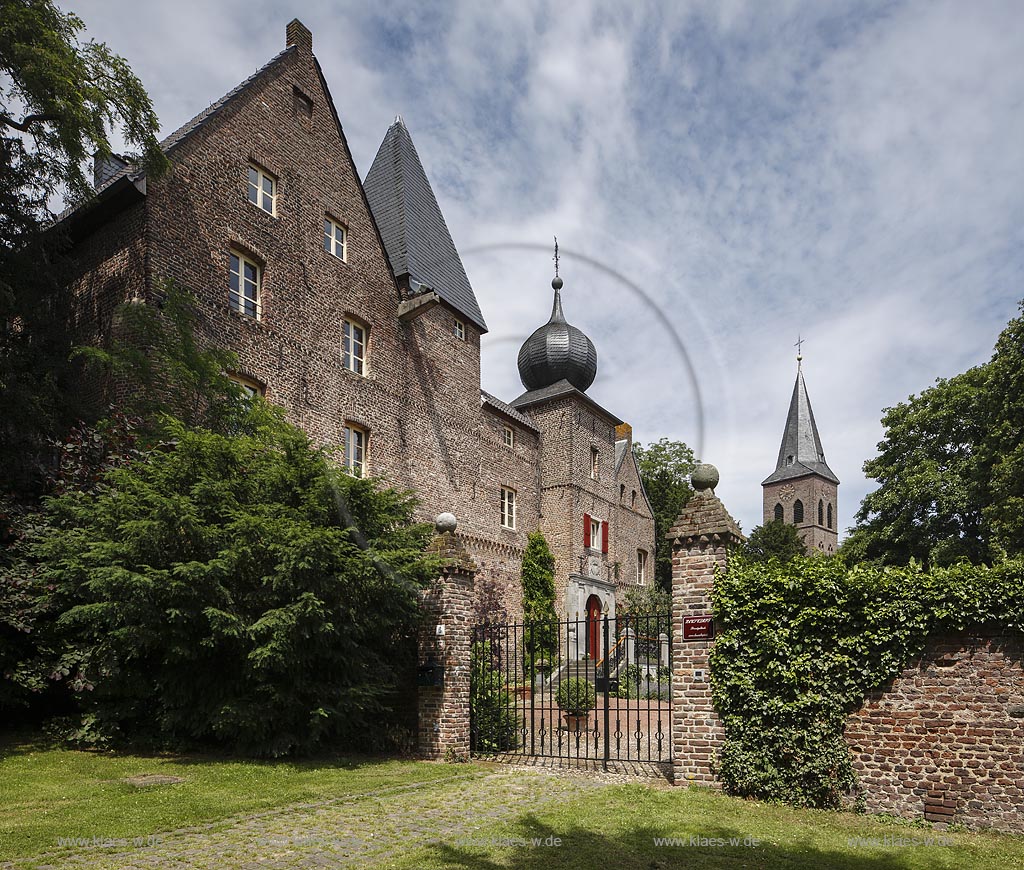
(557, 351)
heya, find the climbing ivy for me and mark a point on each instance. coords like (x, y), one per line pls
(800, 644)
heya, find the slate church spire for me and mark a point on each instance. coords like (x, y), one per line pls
(803, 490)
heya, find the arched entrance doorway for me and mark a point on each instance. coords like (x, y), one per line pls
(594, 627)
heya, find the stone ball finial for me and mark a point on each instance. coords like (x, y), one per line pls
(556, 283)
(704, 477)
(445, 522)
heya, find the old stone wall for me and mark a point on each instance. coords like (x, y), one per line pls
(945, 741)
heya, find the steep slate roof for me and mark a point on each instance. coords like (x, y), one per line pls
(800, 441)
(556, 391)
(506, 409)
(414, 230)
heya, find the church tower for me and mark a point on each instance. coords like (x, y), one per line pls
(803, 490)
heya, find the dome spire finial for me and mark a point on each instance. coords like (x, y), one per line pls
(557, 350)
(799, 351)
(556, 283)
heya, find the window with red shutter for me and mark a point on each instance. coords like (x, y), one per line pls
(604, 537)
(586, 530)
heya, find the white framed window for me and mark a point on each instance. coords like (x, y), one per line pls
(508, 508)
(595, 534)
(353, 442)
(336, 239)
(509, 436)
(641, 567)
(244, 285)
(251, 388)
(460, 330)
(353, 346)
(262, 189)
(595, 462)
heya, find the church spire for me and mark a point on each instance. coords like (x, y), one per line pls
(801, 452)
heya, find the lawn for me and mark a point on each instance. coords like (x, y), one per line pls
(365, 812)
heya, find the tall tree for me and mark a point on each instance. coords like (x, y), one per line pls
(951, 469)
(665, 468)
(59, 99)
(775, 539)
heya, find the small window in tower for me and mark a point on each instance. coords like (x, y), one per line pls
(779, 513)
(508, 508)
(821, 512)
(830, 515)
(641, 567)
(632, 499)
(798, 511)
(595, 534)
(595, 462)
(460, 330)
(509, 436)
(622, 491)
(302, 105)
(789, 460)
(262, 189)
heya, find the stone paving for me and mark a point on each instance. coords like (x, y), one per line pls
(357, 830)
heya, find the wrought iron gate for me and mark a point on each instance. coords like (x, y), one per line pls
(590, 689)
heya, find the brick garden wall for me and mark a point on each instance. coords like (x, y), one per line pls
(943, 735)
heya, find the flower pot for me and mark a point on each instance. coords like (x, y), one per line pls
(524, 692)
(576, 723)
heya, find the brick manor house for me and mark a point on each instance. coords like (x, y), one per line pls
(347, 304)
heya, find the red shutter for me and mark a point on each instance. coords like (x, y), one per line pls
(604, 537)
(586, 530)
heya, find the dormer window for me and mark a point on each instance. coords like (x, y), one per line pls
(262, 189)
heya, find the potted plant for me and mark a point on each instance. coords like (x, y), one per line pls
(576, 698)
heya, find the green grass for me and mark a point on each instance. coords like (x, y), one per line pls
(617, 827)
(46, 793)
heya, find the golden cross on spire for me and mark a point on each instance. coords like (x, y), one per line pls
(799, 349)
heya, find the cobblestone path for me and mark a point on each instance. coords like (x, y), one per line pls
(357, 830)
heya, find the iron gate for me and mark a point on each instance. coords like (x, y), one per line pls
(596, 689)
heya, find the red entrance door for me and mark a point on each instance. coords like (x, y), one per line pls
(594, 627)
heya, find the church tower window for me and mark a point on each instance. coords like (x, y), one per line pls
(821, 512)
(830, 515)
(798, 511)
(780, 514)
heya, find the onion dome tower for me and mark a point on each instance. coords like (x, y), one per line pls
(558, 350)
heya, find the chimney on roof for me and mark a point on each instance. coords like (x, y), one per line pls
(297, 34)
(105, 168)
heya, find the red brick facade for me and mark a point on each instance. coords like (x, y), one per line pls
(419, 398)
(945, 742)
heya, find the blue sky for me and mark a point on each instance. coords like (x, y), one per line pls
(849, 172)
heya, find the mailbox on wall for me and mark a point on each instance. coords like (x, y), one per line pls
(430, 674)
